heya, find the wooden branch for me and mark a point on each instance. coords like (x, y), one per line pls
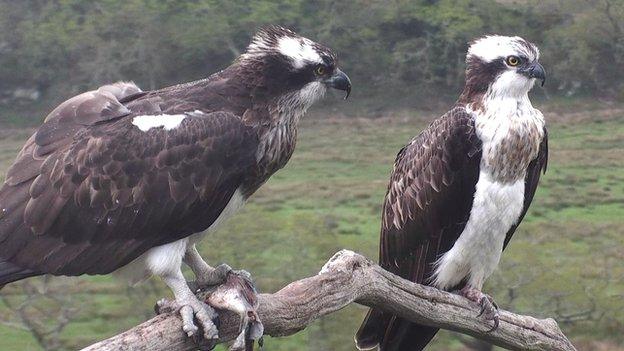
(346, 278)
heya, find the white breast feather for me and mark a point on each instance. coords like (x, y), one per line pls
(496, 205)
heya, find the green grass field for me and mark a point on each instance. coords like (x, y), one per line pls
(565, 260)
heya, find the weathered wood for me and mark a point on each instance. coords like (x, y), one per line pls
(346, 278)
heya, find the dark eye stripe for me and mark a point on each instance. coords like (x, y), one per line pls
(327, 60)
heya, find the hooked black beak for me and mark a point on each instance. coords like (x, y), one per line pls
(535, 70)
(340, 81)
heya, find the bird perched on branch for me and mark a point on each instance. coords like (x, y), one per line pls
(459, 189)
(123, 179)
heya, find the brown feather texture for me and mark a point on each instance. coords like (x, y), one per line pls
(114, 172)
(492, 132)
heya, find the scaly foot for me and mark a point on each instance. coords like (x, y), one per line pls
(191, 308)
(212, 278)
(489, 309)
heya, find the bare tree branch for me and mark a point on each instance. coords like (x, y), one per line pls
(346, 278)
(44, 321)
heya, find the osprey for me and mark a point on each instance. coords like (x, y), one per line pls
(459, 189)
(120, 177)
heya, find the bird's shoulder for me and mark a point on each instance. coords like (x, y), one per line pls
(121, 113)
(440, 149)
(455, 126)
(219, 92)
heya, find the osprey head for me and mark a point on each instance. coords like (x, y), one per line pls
(291, 64)
(503, 66)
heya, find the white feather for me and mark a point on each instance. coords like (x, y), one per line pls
(511, 84)
(492, 47)
(299, 50)
(496, 205)
(147, 122)
(166, 259)
(476, 253)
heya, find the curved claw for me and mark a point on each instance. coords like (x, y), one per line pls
(496, 323)
(191, 310)
(481, 311)
(204, 315)
(489, 309)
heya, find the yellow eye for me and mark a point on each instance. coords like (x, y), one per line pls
(513, 60)
(320, 70)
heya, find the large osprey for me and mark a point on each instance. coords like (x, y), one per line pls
(120, 177)
(460, 188)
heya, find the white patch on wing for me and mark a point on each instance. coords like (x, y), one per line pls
(496, 207)
(167, 259)
(492, 47)
(299, 50)
(147, 122)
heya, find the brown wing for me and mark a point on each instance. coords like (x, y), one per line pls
(93, 199)
(430, 195)
(425, 210)
(535, 169)
(64, 122)
(427, 206)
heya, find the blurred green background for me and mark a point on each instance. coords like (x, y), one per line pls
(405, 59)
(398, 53)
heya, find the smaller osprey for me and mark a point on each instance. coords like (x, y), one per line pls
(120, 178)
(460, 188)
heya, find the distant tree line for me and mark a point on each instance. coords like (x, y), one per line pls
(51, 49)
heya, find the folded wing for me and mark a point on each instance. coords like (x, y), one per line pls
(425, 210)
(90, 191)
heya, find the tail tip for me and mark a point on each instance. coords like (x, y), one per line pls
(365, 344)
(10, 272)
